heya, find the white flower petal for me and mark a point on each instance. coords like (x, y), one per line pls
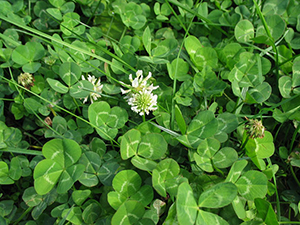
(149, 76)
(135, 83)
(130, 77)
(85, 100)
(139, 73)
(97, 87)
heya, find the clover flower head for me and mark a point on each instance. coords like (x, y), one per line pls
(139, 95)
(255, 128)
(139, 83)
(143, 102)
(97, 88)
(26, 80)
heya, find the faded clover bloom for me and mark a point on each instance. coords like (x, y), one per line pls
(97, 88)
(50, 60)
(255, 128)
(26, 79)
(139, 95)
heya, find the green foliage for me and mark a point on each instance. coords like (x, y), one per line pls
(25, 55)
(58, 167)
(127, 186)
(216, 85)
(218, 196)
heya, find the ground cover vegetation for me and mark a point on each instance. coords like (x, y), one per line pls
(149, 112)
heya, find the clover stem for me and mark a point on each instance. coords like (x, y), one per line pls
(23, 215)
(276, 192)
(293, 139)
(294, 175)
(31, 136)
(53, 112)
(217, 169)
(77, 106)
(112, 145)
(245, 142)
(144, 118)
(288, 222)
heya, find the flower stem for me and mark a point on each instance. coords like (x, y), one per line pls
(276, 193)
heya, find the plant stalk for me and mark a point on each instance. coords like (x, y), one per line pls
(23, 215)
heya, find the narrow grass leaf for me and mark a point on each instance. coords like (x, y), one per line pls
(180, 120)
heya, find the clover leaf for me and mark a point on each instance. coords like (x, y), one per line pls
(58, 167)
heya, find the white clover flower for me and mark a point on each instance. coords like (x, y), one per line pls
(139, 95)
(139, 83)
(143, 102)
(97, 88)
(26, 80)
